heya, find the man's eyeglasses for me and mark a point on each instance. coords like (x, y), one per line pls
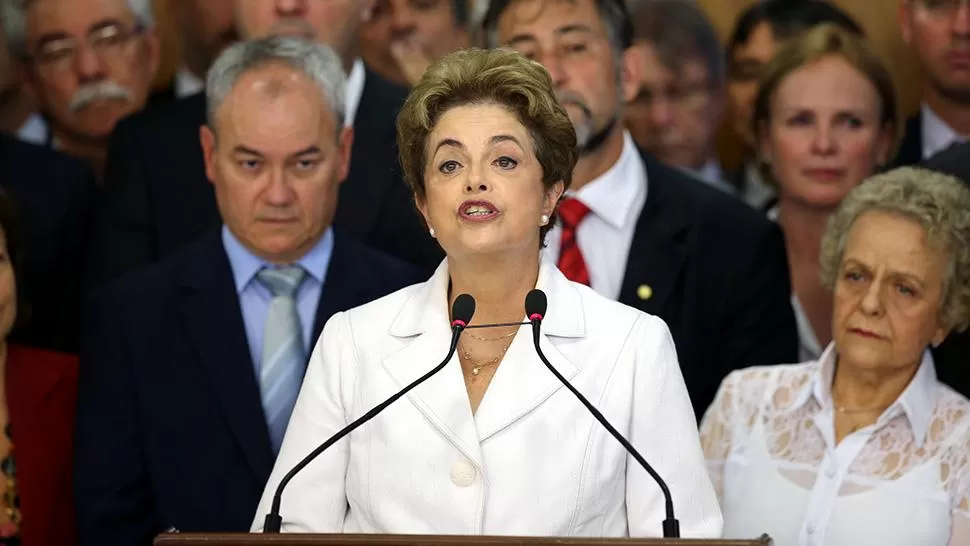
(108, 42)
(685, 96)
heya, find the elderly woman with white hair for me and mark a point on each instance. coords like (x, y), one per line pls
(864, 445)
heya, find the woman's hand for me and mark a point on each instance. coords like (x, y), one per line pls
(412, 57)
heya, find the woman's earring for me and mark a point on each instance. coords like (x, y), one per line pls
(544, 219)
(431, 231)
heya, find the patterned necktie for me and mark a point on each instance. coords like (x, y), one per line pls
(571, 262)
(283, 361)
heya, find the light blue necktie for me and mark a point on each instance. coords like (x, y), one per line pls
(283, 361)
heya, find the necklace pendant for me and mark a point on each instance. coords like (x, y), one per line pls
(476, 369)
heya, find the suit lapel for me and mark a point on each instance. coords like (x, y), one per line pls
(213, 318)
(522, 382)
(658, 252)
(373, 159)
(423, 323)
(911, 148)
(341, 286)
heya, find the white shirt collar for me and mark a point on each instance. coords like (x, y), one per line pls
(916, 402)
(613, 195)
(187, 83)
(809, 347)
(756, 192)
(355, 89)
(34, 130)
(937, 135)
(712, 174)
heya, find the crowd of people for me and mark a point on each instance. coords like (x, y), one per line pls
(199, 284)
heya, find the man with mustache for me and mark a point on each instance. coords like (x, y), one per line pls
(938, 31)
(157, 199)
(635, 230)
(90, 63)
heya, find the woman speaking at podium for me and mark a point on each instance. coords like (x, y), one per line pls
(494, 443)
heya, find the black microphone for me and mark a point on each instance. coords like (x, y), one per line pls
(461, 314)
(535, 309)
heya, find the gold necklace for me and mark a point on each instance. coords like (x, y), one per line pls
(477, 366)
(854, 411)
(850, 413)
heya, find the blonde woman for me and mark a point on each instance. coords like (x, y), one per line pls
(825, 117)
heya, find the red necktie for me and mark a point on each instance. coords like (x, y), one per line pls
(571, 261)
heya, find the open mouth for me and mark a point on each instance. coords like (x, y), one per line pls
(477, 211)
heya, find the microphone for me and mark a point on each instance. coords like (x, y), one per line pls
(461, 314)
(535, 309)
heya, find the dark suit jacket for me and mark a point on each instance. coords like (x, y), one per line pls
(911, 148)
(170, 429)
(157, 198)
(41, 394)
(952, 357)
(53, 194)
(717, 274)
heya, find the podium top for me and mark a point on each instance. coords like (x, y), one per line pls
(237, 539)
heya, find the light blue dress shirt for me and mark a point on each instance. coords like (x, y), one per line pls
(254, 298)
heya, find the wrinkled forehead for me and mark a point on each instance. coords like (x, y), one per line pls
(531, 19)
(275, 108)
(75, 18)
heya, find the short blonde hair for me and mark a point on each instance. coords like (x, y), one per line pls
(938, 202)
(823, 41)
(500, 76)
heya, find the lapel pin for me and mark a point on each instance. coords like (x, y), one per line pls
(644, 292)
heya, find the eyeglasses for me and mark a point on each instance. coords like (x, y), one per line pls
(108, 42)
(942, 8)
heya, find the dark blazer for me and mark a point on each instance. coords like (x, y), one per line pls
(911, 148)
(157, 198)
(953, 355)
(41, 396)
(53, 194)
(170, 429)
(716, 271)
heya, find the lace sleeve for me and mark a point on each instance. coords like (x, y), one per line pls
(960, 511)
(733, 410)
(716, 434)
(957, 470)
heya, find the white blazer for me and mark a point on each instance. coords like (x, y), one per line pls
(530, 461)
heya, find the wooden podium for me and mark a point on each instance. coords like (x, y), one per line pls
(235, 539)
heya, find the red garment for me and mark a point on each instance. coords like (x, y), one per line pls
(41, 396)
(571, 262)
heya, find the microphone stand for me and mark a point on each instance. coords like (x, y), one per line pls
(274, 521)
(671, 527)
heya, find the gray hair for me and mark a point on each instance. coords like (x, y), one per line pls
(938, 202)
(678, 30)
(13, 15)
(315, 60)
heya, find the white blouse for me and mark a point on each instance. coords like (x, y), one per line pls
(769, 439)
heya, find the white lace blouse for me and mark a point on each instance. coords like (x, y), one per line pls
(769, 440)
